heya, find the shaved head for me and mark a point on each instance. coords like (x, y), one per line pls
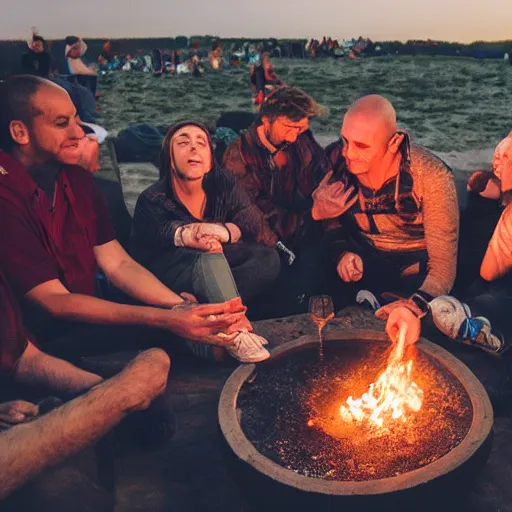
(375, 110)
(369, 135)
(38, 122)
(18, 103)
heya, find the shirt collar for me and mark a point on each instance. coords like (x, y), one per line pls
(18, 177)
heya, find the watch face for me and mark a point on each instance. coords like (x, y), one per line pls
(420, 302)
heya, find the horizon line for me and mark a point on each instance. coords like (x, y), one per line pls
(496, 41)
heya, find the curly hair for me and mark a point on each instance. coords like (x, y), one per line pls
(291, 102)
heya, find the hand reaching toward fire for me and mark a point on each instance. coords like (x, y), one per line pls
(402, 318)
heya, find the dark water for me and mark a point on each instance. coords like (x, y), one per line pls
(290, 412)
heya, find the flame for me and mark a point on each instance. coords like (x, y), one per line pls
(391, 397)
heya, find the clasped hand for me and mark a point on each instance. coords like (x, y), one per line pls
(207, 236)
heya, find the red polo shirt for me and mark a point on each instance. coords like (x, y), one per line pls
(13, 339)
(43, 239)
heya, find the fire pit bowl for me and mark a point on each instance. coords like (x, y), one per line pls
(284, 447)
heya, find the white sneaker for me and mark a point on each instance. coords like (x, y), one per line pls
(367, 298)
(248, 347)
(454, 319)
(449, 314)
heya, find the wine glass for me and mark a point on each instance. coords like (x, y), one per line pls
(321, 309)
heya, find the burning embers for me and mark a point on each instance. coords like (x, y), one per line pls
(393, 397)
(290, 411)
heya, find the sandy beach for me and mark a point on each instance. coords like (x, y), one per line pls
(447, 104)
(458, 108)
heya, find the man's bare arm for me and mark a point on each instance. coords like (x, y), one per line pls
(55, 298)
(36, 368)
(132, 278)
(27, 449)
(196, 322)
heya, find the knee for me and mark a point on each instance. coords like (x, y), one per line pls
(209, 260)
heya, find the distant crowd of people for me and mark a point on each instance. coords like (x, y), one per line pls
(329, 47)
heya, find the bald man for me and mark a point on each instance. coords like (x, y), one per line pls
(56, 233)
(393, 210)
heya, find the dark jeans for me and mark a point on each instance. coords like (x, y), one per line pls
(382, 272)
(312, 273)
(244, 269)
(494, 302)
(477, 223)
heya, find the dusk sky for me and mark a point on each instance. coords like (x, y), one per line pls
(454, 20)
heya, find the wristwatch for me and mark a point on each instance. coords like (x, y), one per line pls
(421, 300)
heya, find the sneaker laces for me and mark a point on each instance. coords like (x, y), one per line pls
(478, 330)
(248, 347)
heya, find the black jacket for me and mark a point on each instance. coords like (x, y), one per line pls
(36, 64)
(159, 213)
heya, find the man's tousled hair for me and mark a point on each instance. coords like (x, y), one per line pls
(291, 102)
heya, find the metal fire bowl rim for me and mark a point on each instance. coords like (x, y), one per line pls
(480, 429)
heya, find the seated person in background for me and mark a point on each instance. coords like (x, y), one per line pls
(85, 75)
(488, 191)
(263, 78)
(395, 208)
(30, 443)
(37, 60)
(82, 97)
(56, 233)
(279, 164)
(496, 184)
(198, 232)
(215, 57)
